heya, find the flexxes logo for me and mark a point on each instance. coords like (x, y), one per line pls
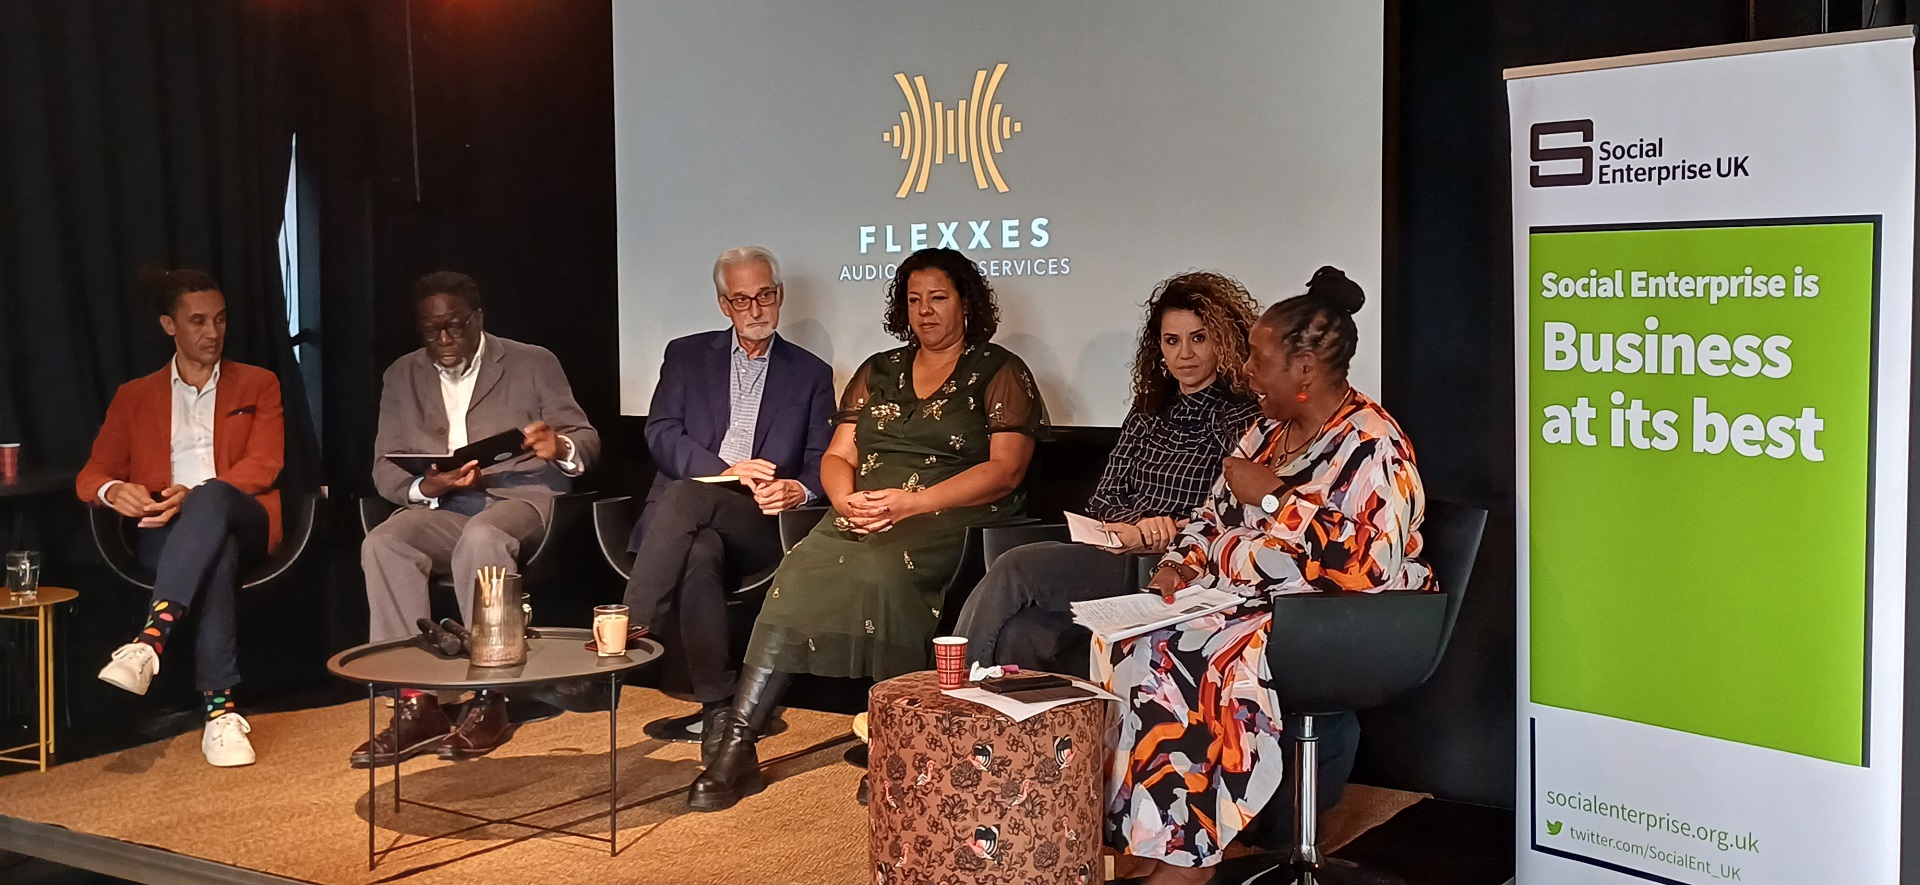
(1582, 152)
(972, 131)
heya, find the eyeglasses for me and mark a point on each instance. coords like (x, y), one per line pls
(456, 327)
(764, 298)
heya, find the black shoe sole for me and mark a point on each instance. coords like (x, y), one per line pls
(358, 761)
(724, 801)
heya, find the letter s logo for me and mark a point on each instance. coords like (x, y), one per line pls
(1582, 152)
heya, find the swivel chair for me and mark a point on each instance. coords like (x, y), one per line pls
(1332, 653)
(112, 536)
(568, 510)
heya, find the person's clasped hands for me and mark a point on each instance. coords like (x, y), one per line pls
(771, 493)
(876, 510)
(135, 501)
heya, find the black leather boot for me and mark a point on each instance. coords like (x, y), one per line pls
(734, 772)
(712, 724)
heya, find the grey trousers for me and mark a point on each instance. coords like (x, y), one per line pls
(401, 554)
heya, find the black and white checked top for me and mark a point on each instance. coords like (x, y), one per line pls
(1165, 464)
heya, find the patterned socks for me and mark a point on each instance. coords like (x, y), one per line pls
(160, 621)
(217, 703)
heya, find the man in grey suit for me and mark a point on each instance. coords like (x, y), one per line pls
(462, 386)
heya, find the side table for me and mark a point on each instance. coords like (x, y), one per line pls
(39, 610)
(560, 654)
(962, 793)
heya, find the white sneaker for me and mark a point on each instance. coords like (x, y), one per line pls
(225, 741)
(133, 667)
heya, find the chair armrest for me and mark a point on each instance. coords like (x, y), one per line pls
(796, 522)
(296, 534)
(374, 510)
(1334, 652)
(109, 530)
(569, 510)
(613, 521)
(996, 540)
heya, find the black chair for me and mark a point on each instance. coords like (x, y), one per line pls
(1334, 653)
(613, 522)
(569, 510)
(113, 537)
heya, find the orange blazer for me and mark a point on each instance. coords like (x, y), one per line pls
(136, 441)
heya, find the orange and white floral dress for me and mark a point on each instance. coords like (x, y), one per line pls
(1199, 751)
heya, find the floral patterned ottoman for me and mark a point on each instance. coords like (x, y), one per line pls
(963, 794)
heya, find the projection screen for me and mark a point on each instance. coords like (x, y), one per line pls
(1080, 151)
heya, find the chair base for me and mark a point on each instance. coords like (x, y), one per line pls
(686, 729)
(1277, 868)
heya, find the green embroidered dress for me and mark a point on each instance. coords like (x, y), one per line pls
(857, 606)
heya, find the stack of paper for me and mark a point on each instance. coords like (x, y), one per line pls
(1124, 617)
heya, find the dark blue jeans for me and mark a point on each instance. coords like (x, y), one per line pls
(196, 560)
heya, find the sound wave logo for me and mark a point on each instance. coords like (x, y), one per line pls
(971, 131)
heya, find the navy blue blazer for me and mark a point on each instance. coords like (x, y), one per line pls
(692, 406)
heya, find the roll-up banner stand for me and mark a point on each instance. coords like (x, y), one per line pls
(1713, 268)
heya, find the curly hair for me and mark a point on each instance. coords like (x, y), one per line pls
(976, 294)
(1226, 311)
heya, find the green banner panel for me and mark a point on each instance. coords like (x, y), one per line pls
(1699, 401)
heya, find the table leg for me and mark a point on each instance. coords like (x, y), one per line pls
(43, 627)
(373, 798)
(53, 682)
(391, 722)
(613, 767)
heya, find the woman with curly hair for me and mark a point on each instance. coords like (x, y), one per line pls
(931, 438)
(1190, 403)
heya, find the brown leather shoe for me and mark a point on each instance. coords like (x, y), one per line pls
(483, 728)
(418, 725)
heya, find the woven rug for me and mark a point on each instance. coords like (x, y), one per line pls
(300, 812)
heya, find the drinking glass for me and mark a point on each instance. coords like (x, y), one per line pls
(23, 574)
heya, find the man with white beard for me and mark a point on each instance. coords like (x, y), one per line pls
(742, 403)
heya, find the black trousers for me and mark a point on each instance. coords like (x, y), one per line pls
(196, 559)
(697, 541)
(1049, 576)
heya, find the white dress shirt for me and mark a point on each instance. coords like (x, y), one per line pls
(456, 394)
(192, 431)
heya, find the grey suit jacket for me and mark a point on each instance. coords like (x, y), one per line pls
(518, 385)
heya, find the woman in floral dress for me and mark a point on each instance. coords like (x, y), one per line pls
(932, 438)
(1321, 495)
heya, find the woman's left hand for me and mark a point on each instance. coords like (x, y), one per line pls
(1250, 480)
(893, 505)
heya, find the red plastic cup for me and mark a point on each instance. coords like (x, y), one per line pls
(9, 462)
(950, 660)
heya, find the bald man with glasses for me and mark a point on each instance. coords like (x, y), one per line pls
(740, 402)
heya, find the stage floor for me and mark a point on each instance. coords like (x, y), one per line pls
(158, 813)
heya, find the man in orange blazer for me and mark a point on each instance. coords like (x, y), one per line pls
(192, 452)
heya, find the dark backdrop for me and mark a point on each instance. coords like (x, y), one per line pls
(478, 136)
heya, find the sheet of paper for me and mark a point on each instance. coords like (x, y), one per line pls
(1123, 617)
(1087, 530)
(1020, 711)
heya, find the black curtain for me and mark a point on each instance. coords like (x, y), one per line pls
(150, 134)
(136, 135)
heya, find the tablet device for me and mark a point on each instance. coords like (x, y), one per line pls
(493, 450)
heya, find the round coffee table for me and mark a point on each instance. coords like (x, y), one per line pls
(39, 610)
(559, 654)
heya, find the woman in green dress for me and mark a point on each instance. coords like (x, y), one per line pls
(932, 438)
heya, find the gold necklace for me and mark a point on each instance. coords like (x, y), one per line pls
(1286, 430)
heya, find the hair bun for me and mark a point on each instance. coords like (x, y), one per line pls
(1330, 284)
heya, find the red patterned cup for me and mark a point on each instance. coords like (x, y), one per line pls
(950, 660)
(9, 462)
